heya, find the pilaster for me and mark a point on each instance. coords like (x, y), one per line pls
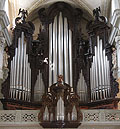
(4, 40)
(117, 40)
(2, 43)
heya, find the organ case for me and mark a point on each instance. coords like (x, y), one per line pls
(84, 63)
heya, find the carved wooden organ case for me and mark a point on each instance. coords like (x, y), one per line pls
(60, 50)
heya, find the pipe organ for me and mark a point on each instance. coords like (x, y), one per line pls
(20, 73)
(62, 70)
(60, 50)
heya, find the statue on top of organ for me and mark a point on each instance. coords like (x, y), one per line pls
(87, 72)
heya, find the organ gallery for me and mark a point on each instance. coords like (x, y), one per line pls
(62, 71)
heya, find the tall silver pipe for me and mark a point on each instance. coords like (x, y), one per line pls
(100, 68)
(21, 60)
(66, 64)
(97, 77)
(24, 70)
(91, 82)
(108, 76)
(102, 65)
(55, 50)
(60, 44)
(12, 75)
(26, 79)
(105, 71)
(109, 88)
(92, 87)
(94, 79)
(15, 66)
(102, 72)
(11, 85)
(70, 56)
(50, 54)
(29, 81)
(20, 86)
(14, 86)
(28, 70)
(106, 67)
(18, 62)
(98, 59)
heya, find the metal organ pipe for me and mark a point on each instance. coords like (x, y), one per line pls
(39, 89)
(60, 45)
(18, 63)
(66, 52)
(20, 83)
(100, 74)
(82, 88)
(50, 55)
(24, 69)
(70, 55)
(96, 73)
(55, 50)
(11, 83)
(60, 50)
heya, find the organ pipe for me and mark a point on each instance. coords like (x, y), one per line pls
(100, 74)
(60, 50)
(70, 55)
(39, 87)
(20, 82)
(60, 109)
(82, 88)
(60, 45)
(50, 54)
(66, 57)
(55, 50)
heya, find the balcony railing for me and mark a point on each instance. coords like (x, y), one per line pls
(97, 119)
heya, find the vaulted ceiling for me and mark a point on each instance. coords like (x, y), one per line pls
(87, 5)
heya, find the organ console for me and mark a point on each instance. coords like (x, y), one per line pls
(85, 64)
